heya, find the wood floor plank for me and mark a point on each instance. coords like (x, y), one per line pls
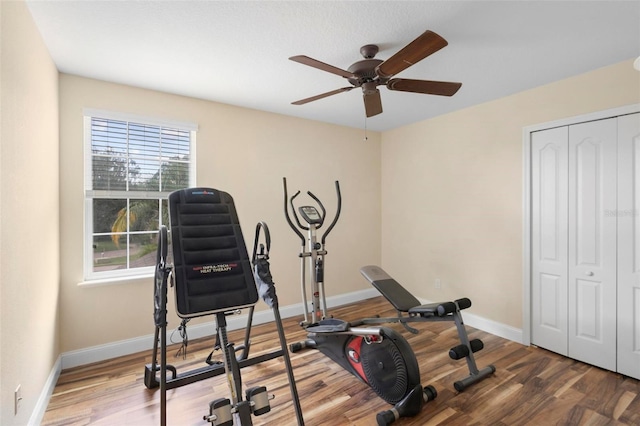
(531, 386)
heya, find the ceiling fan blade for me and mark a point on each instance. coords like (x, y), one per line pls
(423, 46)
(305, 60)
(323, 95)
(442, 88)
(372, 103)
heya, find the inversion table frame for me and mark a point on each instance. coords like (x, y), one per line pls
(213, 276)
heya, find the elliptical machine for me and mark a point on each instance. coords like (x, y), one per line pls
(377, 355)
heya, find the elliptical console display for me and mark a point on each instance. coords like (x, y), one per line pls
(310, 215)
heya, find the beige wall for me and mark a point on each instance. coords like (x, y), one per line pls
(29, 225)
(452, 191)
(445, 203)
(244, 152)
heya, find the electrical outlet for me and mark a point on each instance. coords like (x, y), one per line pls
(438, 284)
(17, 399)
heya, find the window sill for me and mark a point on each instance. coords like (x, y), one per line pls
(116, 280)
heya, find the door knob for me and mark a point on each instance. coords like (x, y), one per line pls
(589, 273)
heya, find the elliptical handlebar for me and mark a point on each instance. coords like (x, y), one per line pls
(295, 215)
(338, 210)
(289, 203)
(286, 211)
(324, 212)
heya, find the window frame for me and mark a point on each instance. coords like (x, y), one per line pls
(91, 276)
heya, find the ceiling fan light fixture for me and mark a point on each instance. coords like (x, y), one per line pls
(369, 88)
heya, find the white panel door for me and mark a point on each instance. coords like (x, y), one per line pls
(549, 185)
(592, 242)
(628, 216)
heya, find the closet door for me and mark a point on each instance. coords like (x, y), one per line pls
(628, 215)
(549, 185)
(592, 242)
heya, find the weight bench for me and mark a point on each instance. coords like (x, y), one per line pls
(410, 309)
(213, 275)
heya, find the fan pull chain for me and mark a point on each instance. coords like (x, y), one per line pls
(365, 130)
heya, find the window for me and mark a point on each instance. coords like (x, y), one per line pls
(131, 166)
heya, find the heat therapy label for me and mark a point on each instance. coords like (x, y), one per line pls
(203, 192)
(221, 267)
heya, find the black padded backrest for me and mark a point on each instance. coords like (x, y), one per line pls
(395, 293)
(212, 269)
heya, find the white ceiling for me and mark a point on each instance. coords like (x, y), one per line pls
(236, 52)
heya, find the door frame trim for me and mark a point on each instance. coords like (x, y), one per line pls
(526, 197)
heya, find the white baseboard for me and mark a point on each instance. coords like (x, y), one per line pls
(143, 343)
(489, 326)
(493, 327)
(43, 400)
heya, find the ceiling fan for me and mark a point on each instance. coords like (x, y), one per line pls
(370, 73)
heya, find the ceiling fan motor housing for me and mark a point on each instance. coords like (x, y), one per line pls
(364, 70)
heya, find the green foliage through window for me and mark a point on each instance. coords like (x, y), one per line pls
(133, 168)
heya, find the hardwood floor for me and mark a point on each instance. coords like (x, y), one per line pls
(530, 387)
